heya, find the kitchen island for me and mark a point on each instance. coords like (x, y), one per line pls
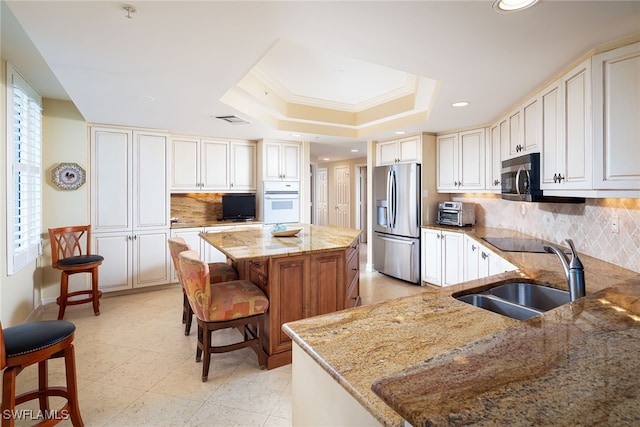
(433, 360)
(314, 272)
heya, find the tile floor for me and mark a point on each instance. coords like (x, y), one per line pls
(136, 367)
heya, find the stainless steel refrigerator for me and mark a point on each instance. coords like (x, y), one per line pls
(396, 237)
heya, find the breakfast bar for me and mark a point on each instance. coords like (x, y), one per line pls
(313, 271)
(431, 360)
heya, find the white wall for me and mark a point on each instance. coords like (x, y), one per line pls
(65, 139)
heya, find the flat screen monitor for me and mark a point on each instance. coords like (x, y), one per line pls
(239, 207)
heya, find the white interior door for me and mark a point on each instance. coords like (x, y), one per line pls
(322, 203)
(343, 203)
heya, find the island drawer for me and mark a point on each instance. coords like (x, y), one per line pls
(353, 249)
(258, 272)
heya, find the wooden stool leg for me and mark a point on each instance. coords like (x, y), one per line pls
(72, 388)
(206, 346)
(8, 396)
(189, 318)
(64, 289)
(43, 384)
(94, 290)
(199, 346)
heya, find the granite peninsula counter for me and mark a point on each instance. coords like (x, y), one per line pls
(433, 360)
(317, 271)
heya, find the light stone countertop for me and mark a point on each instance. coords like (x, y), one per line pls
(258, 243)
(401, 345)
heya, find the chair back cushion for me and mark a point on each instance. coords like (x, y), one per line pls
(177, 245)
(221, 301)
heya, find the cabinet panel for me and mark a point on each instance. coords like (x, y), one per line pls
(452, 256)
(243, 158)
(515, 134)
(214, 165)
(431, 256)
(185, 164)
(291, 162)
(386, 153)
(327, 289)
(151, 262)
(151, 186)
(289, 293)
(410, 149)
(493, 171)
(111, 175)
(551, 158)
(115, 272)
(577, 127)
(471, 166)
(271, 163)
(616, 113)
(531, 125)
(447, 162)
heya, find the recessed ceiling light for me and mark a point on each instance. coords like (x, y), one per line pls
(400, 132)
(505, 6)
(326, 159)
(354, 151)
(296, 135)
(460, 104)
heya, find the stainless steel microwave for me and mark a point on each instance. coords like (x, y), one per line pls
(520, 181)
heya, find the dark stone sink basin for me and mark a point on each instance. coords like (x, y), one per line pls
(518, 300)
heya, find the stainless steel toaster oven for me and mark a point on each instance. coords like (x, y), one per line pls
(458, 214)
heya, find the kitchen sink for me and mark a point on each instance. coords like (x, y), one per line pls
(500, 306)
(518, 300)
(531, 295)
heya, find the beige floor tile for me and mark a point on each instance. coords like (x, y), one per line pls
(211, 414)
(153, 409)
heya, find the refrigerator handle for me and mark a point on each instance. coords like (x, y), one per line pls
(393, 202)
(389, 200)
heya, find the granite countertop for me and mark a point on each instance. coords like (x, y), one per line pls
(259, 243)
(408, 347)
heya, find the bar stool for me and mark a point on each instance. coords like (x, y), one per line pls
(37, 342)
(218, 272)
(234, 304)
(67, 255)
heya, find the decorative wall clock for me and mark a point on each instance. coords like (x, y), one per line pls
(68, 176)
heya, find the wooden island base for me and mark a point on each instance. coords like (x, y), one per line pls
(318, 272)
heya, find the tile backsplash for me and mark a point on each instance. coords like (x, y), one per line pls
(196, 207)
(588, 224)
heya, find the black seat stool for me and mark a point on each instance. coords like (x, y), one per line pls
(37, 342)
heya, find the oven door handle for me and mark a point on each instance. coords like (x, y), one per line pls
(526, 184)
(280, 196)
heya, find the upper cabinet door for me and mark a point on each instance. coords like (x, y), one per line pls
(551, 153)
(281, 161)
(290, 162)
(185, 164)
(150, 180)
(471, 166)
(386, 153)
(447, 146)
(616, 114)
(243, 174)
(214, 160)
(405, 150)
(111, 179)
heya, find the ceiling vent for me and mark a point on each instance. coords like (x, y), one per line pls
(234, 120)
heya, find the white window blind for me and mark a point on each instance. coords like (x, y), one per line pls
(24, 181)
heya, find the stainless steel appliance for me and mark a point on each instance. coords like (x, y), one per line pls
(396, 237)
(521, 181)
(281, 202)
(456, 213)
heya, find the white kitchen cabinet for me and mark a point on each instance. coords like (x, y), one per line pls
(480, 262)
(523, 127)
(403, 150)
(572, 153)
(132, 260)
(206, 164)
(130, 206)
(493, 156)
(616, 114)
(280, 161)
(461, 161)
(442, 255)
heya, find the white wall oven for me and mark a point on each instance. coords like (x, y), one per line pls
(281, 202)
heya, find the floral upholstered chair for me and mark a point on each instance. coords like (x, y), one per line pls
(232, 304)
(218, 272)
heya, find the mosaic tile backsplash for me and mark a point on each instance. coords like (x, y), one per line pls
(588, 224)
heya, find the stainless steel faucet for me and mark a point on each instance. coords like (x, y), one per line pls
(572, 269)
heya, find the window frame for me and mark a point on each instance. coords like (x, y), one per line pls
(24, 170)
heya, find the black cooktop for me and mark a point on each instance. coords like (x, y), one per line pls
(513, 244)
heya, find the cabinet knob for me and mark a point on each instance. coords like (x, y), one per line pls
(484, 255)
(473, 248)
(496, 182)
